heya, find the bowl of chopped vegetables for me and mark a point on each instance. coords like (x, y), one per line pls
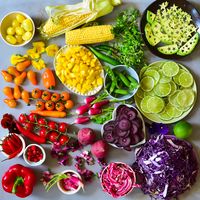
(17, 28)
(121, 82)
(79, 70)
(171, 28)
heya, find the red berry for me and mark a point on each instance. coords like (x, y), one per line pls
(62, 127)
(63, 139)
(42, 121)
(23, 118)
(53, 136)
(52, 125)
(32, 117)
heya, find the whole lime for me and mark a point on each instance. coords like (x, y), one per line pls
(182, 129)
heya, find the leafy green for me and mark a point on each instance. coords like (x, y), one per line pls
(129, 42)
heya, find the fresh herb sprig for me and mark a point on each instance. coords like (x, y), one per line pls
(129, 42)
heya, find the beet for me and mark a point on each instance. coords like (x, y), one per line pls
(124, 142)
(132, 114)
(124, 124)
(108, 136)
(109, 126)
(99, 149)
(121, 133)
(134, 129)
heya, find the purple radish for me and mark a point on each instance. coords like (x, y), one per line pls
(81, 120)
(132, 115)
(109, 126)
(94, 111)
(108, 136)
(82, 109)
(124, 142)
(121, 133)
(89, 100)
(99, 149)
(124, 124)
(86, 136)
(122, 116)
(100, 104)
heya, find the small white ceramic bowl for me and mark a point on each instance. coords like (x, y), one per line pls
(34, 163)
(129, 71)
(114, 114)
(6, 22)
(23, 146)
(60, 187)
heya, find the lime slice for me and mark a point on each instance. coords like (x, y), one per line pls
(177, 112)
(140, 93)
(176, 78)
(185, 98)
(173, 111)
(147, 83)
(173, 87)
(157, 65)
(164, 116)
(143, 70)
(163, 89)
(185, 79)
(172, 98)
(163, 78)
(143, 104)
(152, 73)
(170, 69)
(155, 104)
(150, 93)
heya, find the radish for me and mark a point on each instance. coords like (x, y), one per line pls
(100, 104)
(99, 149)
(94, 111)
(82, 120)
(89, 100)
(86, 136)
(82, 109)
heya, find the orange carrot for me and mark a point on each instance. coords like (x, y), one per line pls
(47, 113)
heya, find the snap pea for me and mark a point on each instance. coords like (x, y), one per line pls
(121, 91)
(134, 84)
(112, 87)
(124, 79)
(104, 57)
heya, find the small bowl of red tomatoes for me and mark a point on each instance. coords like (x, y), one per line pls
(34, 155)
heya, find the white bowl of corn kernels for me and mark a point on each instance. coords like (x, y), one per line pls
(79, 70)
(17, 28)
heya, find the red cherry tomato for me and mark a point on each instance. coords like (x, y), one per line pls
(63, 139)
(52, 125)
(32, 117)
(23, 118)
(53, 136)
(62, 127)
(43, 132)
(28, 126)
(42, 121)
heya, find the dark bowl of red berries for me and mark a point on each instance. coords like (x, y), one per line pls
(34, 155)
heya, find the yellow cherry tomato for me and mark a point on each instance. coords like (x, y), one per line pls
(27, 36)
(11, 39)
(15, 23)
(20, 18)
(19, 30)
(10, 31)
(27, 25)
(19, 39)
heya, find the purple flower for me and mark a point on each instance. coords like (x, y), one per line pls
(158, 128)
(46, 177)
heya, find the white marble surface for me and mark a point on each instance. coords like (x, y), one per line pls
(35, 8)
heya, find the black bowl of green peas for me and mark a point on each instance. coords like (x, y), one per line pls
(121, 82)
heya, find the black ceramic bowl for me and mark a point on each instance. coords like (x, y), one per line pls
(186, 6)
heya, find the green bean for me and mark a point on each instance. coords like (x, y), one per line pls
(121, 91)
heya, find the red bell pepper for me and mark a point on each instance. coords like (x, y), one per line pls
(19, 180)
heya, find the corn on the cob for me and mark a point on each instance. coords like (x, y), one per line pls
(89, 35)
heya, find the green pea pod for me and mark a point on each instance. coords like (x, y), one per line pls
(112, 87)
(121, 91)
(134, 84)
(124, 79)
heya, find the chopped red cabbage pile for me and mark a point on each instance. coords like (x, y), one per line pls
(169, 166)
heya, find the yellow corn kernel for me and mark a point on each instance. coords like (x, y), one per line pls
(100, 81)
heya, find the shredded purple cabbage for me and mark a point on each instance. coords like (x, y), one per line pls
(169, 166)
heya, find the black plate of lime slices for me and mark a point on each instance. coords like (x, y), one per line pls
(171, 29)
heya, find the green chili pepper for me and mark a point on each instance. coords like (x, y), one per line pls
(121, 91)
(124, 79)
(104, 57)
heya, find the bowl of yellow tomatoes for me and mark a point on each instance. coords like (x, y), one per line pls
(17, 28)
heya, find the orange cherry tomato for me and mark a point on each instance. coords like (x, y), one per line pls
(48, 79)
(46, 95)
(11, 102)
(40, 105)
(49, 105)
(69, 104)
(60, 106)
(65, 96)
(31, 75)
(36, 93)
(8, 91)
(55, 97)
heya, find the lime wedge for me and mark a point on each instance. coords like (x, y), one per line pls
(152, 73)
(155, 104)
(176, 78)
(170, 69)
(185, 79)
(140, 93)
(163, 78)
(147, 83)
(173, 87)
(163, 89)
(185, 98)
(143, 104)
